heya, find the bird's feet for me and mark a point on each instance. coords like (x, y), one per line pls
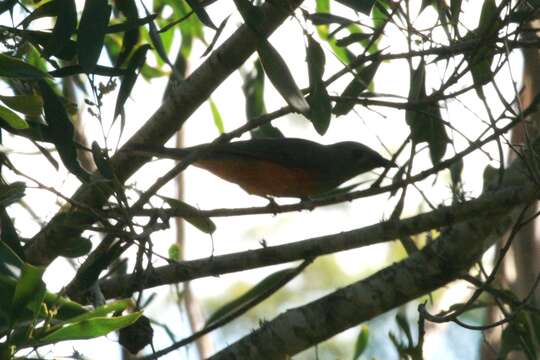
(272, 205)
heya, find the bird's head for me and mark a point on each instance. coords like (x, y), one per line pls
(359, 158)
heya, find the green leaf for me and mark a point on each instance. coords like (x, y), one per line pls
(355, 87)
(65, 26)
(482, 57)
(218, 121)
(131, 24)
(267, 286)
(380, 14)
(363, 6)
(48, 9)
(14, 120)
(128, 81)
(519, 335)
(101, 311)
(6, 5)
(75, 248)
(352, 38)
(455, 10)
(322, 5)
(201, 13)
(61, 130)
(27, 104)
(316, 61)
(29, 291)
(101, 159)
(78, 69)
(253, 89)
(361, 342)
(158, 44)
(320, 112)
(280, 76)
(10, 193)
(192, 215)
(216, 36)
(175, 252)
(14, 68)
(425, 121)
(327, 18)
(319, 101)
(88, 329)
(91, 32)
(8, 257)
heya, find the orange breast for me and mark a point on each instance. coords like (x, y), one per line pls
(264, 177)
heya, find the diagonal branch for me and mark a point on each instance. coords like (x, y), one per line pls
(491, 204)
(184, 99)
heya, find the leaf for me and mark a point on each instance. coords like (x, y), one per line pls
(327, 18)
(131, 37)
(316, 60)
(91, 32)
(201, 13)
(128, 81)
(175, 252)
(75, 248)
(158, 44)
(97, 70)
(27, 104)
(355, 87)
(361, 342)
(101, 159)
(8, 257)
(267, 286)
(218, 121)
(29, 291)
(482, 57)
(320, 111)
(10, 193)
(192, 215)
(65, 26)
(6, 5)
(455, 10)
(253, 89)
(280, 76)
(131, 24)
(352, 38)
(216, 36)
(364, 6)
(61, 130)
(101, 311)
(14, 120)
(14, 68)
(88, 329)
(425, 121)
(48, 9)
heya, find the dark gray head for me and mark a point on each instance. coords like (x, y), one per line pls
(354, 158)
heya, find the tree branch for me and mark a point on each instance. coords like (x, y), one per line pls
(490, 203)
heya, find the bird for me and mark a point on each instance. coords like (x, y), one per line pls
(279, 167)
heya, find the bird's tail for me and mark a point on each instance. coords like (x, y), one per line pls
(158, 151)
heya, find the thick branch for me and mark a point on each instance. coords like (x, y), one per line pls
(185, 98)
(492, 204)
